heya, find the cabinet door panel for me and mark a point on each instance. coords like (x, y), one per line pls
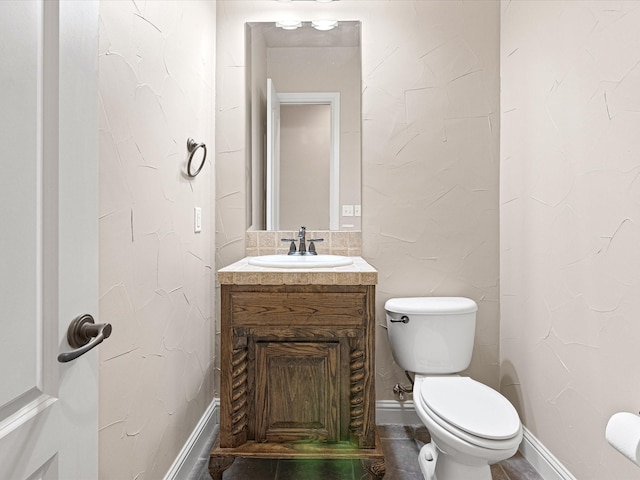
(297, 391)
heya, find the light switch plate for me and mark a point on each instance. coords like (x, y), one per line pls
(197, 219)
(347, 210)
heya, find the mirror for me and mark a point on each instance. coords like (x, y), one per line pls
(304, 172)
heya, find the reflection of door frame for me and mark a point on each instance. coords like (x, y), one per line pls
(333, 100)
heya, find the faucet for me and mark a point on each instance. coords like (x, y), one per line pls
(302, 233)
(302, 250)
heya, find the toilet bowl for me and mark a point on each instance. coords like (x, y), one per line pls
(471, 425)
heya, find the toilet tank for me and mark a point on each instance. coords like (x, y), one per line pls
(431, 335)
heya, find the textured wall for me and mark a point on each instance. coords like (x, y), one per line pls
(570, 236)
(430, 152)
(156, 79)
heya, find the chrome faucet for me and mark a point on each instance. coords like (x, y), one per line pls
(302, 249)
(302, 233)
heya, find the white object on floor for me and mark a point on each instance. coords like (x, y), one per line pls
(623, 434)
(427, 460)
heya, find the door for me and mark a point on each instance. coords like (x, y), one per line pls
(273, 157)
(48, 236)
(305, 165)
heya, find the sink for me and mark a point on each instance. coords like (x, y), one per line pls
(300, 261)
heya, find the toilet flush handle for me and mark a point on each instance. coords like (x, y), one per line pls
(402, 319)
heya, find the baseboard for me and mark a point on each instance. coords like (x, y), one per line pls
(394, 412)
(197, 441)
(547, 465)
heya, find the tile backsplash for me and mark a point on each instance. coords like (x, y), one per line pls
(260, 242)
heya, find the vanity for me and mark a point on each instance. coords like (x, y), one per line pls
(297, 365)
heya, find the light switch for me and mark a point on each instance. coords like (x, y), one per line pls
(357, 211)
(197, 219)
(347, 210)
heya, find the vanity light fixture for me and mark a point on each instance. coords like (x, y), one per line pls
(289, 24)
(324, 25)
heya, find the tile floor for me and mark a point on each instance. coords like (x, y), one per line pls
(400, 443)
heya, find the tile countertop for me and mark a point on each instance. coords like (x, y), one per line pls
(241, 273)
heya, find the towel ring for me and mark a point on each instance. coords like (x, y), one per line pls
(192, 146)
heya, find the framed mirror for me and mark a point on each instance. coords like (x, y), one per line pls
(306, 157)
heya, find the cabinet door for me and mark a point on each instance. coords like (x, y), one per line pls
(297, 391)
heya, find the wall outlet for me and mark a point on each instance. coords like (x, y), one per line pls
(197, 219)
(347, 210)
(357, 211)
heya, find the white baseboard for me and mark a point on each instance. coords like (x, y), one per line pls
(201, 435)
(394, 412)
(547, 465)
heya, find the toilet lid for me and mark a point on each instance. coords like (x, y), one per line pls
(431, 305)
(471, 406)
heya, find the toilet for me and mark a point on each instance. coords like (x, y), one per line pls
(471, 425)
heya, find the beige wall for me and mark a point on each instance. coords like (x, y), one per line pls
(570, 240)
(156, 80)
(430, 152)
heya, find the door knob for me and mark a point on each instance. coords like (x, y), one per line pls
(84, 334)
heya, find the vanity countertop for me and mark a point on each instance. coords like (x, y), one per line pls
(242, 273)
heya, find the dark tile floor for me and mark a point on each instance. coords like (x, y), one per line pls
(400, 444)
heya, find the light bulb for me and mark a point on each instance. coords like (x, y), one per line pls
(324, 24)
(289, 24)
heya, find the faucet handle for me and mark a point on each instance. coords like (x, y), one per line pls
(312, 246)
(292, 247)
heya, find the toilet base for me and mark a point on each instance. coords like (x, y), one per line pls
(436, 465)
(427, 460)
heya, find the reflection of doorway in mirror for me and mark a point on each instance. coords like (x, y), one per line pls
(305, 152)
(274, 167)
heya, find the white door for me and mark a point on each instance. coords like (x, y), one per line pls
(273, 157)
(48, 237)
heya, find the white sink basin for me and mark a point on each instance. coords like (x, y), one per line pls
(300, 261)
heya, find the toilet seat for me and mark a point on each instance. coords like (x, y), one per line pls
(471, 411)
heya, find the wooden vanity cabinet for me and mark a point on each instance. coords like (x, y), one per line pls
(297, 374)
